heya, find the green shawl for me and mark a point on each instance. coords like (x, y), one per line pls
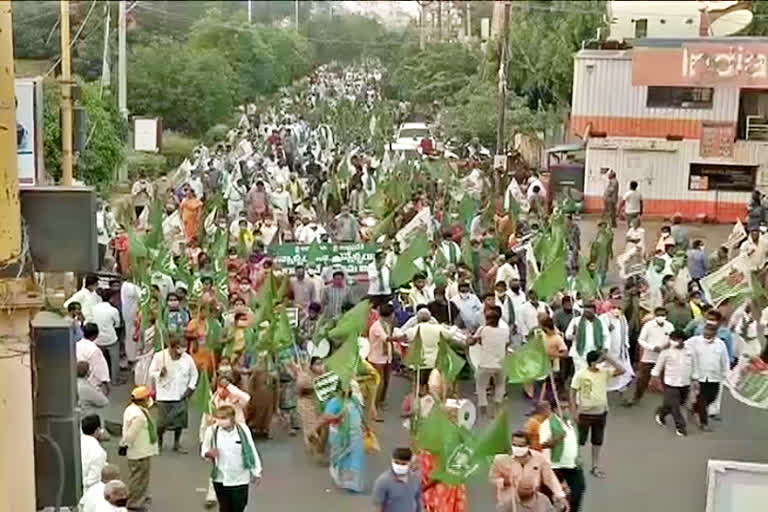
(150, 426)
(581, 336)
(556, 430)
(249, 458)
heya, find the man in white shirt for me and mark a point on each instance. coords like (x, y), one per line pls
(129, 301)
(92, 455)
(115, 497)
(470, 307)
(310, 232)
(86, 296)
(508, 271)
(174, 375)
(93, 499)
(379, 276)
(632, 202)
(676, 363)
(421, 292)
(710, 366)
(528, 314)
(430, 333)
(516, 293)
(230, 447)
(138, 445)
(653, 338)
(87, 350)
(586, 333)
(565, 459)
(107, 319)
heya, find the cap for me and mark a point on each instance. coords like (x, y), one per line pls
(140, 393)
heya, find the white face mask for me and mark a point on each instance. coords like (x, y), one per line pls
(225, 369)
(520, 451)
(661, 319)
(400, 469)
(464, 295)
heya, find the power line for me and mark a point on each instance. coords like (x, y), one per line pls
(74, 39)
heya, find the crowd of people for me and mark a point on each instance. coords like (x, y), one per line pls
(278, 180)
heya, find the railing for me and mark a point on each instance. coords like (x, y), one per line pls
(757, 128)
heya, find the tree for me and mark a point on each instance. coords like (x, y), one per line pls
(190, 89)
(103, 152)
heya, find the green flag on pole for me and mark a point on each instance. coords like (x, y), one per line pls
(201, 397)
(344, 361)
(529, 362)
(405, 268)
(351, 323)
(415, 355)
(552, 278)
(448, 362)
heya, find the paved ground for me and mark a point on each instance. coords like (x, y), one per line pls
(647, 466)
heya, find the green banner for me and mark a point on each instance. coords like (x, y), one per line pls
(352, 258)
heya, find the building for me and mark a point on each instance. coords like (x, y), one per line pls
(685, 118)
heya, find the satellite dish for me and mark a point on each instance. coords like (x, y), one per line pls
(730, 23)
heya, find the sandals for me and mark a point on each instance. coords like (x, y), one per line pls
(597, 472)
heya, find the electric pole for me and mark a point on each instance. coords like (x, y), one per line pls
(122, 68)
(250, 14)
(66, 98)
(502, 92)
(469, 21)
(440, 20)
(422, 21)
(296, 9)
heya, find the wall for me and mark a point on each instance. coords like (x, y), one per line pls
(604, 96)
(663, 172)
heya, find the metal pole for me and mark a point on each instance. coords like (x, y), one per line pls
(10, 225)
(439, 20)
(122, 71)
(296, 9)
(66, 98)
(250, 14)
(502, 92)
(421, 26)
(469, 21)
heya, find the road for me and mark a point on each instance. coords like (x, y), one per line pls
(647, 466)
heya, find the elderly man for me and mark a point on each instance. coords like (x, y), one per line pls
(175, 376)
(429, 331)
(139, 445)
(115, 497)
(93, 499)
(90, 399)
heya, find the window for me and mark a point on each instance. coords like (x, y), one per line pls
(679, 97)
(641, 28)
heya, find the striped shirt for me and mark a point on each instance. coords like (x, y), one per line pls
(334, 298)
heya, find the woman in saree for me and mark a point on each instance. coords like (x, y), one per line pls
(308, 408)
(191, 211)
(204, 357)
(344, 415)
(261, 407)
(437, 496)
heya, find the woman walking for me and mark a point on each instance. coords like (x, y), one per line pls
(344, 415)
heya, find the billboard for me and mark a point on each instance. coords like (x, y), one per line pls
(28, 129)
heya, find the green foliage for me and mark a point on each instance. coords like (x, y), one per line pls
(177, 147)
(189, 88)
(103, 154)
(350, 37)
(215, 133)
(153, 164)
(32, 23)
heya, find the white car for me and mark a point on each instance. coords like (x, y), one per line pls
(409, 136)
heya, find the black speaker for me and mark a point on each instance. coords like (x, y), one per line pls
(60, 227)
(54, 355)
(57, 420)
(57, 461)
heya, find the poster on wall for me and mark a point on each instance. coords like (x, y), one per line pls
(26, 132)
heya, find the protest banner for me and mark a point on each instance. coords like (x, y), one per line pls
(732, 281)
(738, 233)
(351, 258)
(748, 382)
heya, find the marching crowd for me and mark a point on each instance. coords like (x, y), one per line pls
(278, 180)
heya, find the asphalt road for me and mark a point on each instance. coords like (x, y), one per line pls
(648, 467)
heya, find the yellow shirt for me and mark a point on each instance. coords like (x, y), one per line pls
(592, 390)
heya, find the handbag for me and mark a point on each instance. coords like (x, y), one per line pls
(370, 442)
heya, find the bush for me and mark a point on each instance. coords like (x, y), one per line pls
(216, 133)
(177, 147)
(153, 164)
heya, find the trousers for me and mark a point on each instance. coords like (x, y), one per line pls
(674, 397)
(574, 477)
(231, 499)
(643, 377)
(138, 483)
(482, 379)
(112, 356)
(385, 372)
(707, 394)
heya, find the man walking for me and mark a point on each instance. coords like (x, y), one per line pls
(174, 374)
(676, 363)
(236, 463)
(107, 319)
(710, 365)
(611, 198)
(654, 338)
(399, 488)
(139, 445)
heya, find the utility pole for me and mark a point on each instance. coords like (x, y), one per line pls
(502, 92)
(250, 14)
(422, 21)
(66, 98)
(122, 68)
(296, 8)
(469, 21)
(440, 20)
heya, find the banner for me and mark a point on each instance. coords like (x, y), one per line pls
(732, 281)
(738, 233)
(422, 221)
(748, 382)
(351, 258)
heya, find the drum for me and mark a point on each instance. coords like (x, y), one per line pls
(462, 411)
(319, 349)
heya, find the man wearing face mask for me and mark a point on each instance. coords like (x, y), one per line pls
(522, 468)
(398, 489)
(138, 445)
(585, 333)
(174, 375)
(528, 499)
(516, 293)
(470, 307)
(710, 366)
(677, 365)
(654, 337)
(236, 463)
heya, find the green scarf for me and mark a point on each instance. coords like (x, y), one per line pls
(150, 426)
(556, 430)
(597, 335)
(249, 458)
(510, 312)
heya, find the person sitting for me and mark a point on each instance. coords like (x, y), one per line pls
(90, 399)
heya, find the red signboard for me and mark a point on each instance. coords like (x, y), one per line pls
(702, 65)
(716, 140)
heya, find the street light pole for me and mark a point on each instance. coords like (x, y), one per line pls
(122, 68)
(502, 85)
(250, 15)
(66, 98)
(296, 8)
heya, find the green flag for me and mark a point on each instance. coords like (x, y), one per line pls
(344, 361)
(448, 362)
(212, 333)
(314, 252)
(415, 355)
(201, 397)
(494, 439)
(264, 303)
(552, 278)
(283, 336)
(584, 282)
(155, 237)
(405, 268)
(529, 362)
(351, 323)
(466, 211)
(434, 430)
